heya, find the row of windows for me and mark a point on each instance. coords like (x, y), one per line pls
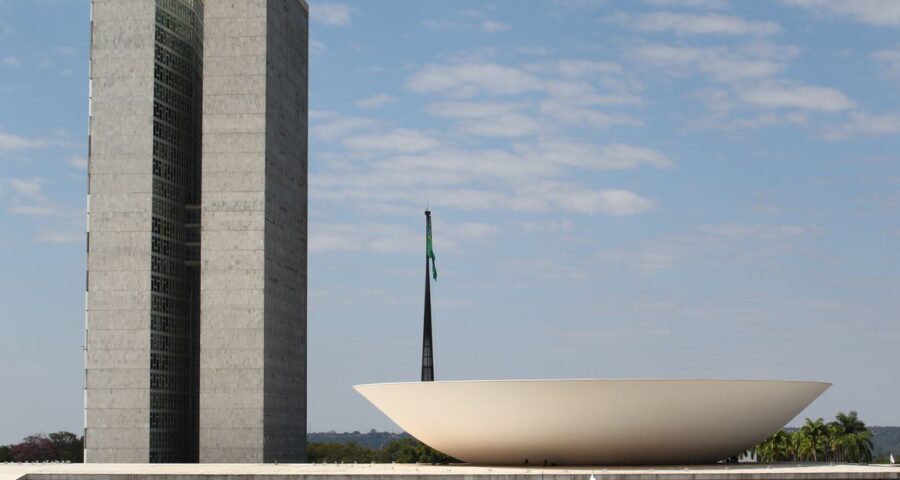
(166, 285)
(170, 363)
(184, 19)
(164, 247)
(180, 139)
(177, 157)
(167, 59)
(168, 324)
(166, 228)
(183, 101)
(167, 420)
(167, 209)
(176, 119)
(169, 306)
(178, 345)
(173, 80)
(169, 382)
(164, 440)
(167, 190)
(172, 41)
(168, 400)
(166, 266)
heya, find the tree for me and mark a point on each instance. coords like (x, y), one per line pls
(405, 450)
(339, 452)
(813, 436)
(854, 439)
(69, 447)
(5, 454)
(846, 439)
(34, 448)
(776, 448)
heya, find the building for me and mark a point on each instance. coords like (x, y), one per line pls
(195, 329)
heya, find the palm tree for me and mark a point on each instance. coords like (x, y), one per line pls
(772, 449)
(854, 439)
(850, 422)
(846, 439)
(836, 443)
(813, 435)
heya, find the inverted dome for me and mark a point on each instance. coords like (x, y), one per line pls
(592, 421)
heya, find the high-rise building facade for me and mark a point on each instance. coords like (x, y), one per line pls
(195, 331)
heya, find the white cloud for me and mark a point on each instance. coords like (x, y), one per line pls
(26, 197)
(508, 125)
(580, 4)
(80, 163)
(389, 238)
(490, 119)
(576, 68)
(332, 14)
(583, 93)
(542, 269)
(317, 115)
(59, 236)
(720, 63)
(616, 156)
(689, 3)
(442, 25)
(529, 179)
(882, 13)
(388, 170)
(865, 124)
(711, 242)
(335, 128)
(317, 48)
(573, 114)
(461, 109)
(745, 231)
(700, 24)
(644, 261)
(29, 188)
(719, 121)
(468, 79)
(492, 26)
(32, 210)
(10, 61)
(11, 142)
(785, 95)
(890, 59)
(375, 101)
(553, 195)
(401, 140)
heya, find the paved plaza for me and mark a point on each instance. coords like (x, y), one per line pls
(435, 472)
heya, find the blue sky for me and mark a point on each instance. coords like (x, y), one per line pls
(664, 188)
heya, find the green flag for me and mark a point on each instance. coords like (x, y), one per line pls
(429, 251)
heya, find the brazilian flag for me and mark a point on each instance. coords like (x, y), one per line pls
(429, 250)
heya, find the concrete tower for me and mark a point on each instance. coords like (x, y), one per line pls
(253, 245)
(197, 231)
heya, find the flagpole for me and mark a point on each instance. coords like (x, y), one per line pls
(427, 345)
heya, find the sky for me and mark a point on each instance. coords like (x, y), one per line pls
(654, 189)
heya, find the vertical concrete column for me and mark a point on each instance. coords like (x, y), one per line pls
(285, 230)
(117, 398)
(232, 241)
(253, 232)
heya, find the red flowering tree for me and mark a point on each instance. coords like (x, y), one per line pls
(34, 448)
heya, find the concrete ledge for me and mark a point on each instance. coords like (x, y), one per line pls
(436, 472)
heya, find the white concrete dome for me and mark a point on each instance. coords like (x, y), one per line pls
(592, 421)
